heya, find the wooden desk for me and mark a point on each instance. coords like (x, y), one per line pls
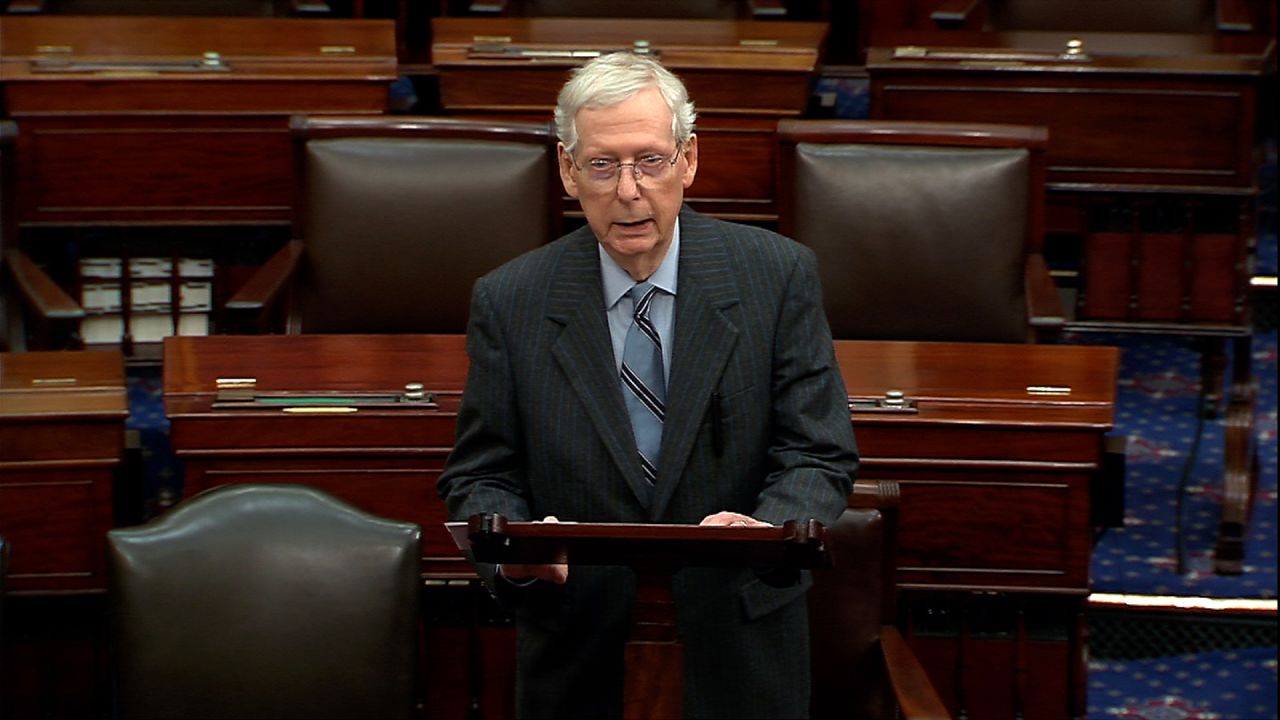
(384, 460)
(997, 464)
(742, 77)
(176, 119)
(996, 480)
(977, 437)
(1152, 190)
(1000, 449)
(62, 420)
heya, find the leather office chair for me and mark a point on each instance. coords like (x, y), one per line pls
(265, 601)
(32, 305)
(861, 666)
(395, 217)
(923, 231)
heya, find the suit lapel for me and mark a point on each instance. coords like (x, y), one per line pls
(704, 341)
(585, 354)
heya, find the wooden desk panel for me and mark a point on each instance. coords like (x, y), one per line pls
(62, 420)
(742, 76)
(116, 124)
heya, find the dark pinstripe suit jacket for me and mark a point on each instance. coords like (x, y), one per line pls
(543, 430)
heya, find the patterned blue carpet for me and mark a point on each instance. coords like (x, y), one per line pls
(1222, 685)
(1158, 398)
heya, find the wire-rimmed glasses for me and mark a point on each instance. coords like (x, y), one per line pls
(648, 170)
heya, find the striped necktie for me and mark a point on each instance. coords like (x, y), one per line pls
(644, 385)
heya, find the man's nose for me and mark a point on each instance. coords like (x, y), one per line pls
(628, 184)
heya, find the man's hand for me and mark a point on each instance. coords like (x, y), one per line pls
(733, 519)
(524, 574)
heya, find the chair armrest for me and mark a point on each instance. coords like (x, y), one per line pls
(954, 12)
(39, 291)
(916, 696)
(267, 283)
(1044, 304)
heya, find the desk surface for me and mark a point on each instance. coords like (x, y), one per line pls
(990, 383)
(156, 49)
(1076, 384)
(60, 383)
(1100, 52)
(315, 362)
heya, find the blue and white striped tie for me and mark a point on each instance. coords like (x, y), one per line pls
(645, 387)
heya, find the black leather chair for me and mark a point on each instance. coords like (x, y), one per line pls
(34, 310)
(265, 601)
(923, 231)
(861, 666)
(395, 217)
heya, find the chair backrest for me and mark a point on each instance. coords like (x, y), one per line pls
(399, 216)
(922, 230)
(265, 601)
(848, 604)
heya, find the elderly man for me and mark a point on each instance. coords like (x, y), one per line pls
(653, 366)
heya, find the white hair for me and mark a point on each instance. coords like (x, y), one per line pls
(613, 78)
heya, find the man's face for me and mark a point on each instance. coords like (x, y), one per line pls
(633, 220)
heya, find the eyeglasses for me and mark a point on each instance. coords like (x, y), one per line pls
(648, 170)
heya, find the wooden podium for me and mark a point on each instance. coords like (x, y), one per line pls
(653, 658)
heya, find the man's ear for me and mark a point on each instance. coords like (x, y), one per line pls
(567, 177)
(691, 156)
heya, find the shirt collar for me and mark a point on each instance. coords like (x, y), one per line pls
(617, 282)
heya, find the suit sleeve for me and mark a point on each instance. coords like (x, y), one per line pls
(812, 453)
(484, 472)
